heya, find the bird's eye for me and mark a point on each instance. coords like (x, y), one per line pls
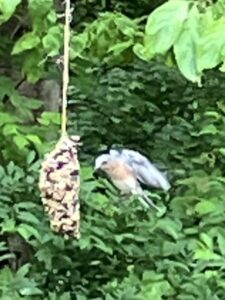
(104, 163)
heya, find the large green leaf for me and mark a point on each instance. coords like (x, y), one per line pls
(185, 47)
(164, 26)
(211, 44)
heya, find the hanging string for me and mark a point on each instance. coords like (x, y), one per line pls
(66, 67)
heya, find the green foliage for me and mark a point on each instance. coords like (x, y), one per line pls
(41, 40)
(189, 31)
(167, 245)
(125, 251)
(107, 38)
(185, 126)
(16, 113)
(17, 286)
(88, 10)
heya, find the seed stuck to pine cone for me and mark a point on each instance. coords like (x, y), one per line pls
(59, 184)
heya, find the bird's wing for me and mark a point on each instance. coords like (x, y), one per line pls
(144, 170)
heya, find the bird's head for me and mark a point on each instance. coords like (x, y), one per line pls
(102, 163)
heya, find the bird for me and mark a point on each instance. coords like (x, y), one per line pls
(128, 169)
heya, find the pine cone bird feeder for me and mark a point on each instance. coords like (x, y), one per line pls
(60, 184)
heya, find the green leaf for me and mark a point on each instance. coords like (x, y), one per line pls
(7, 257)
(49, 117)
(45, 255)
(211, 44)
(79, 43)
(25, 205)
(185, 47)
(24, 103)
(222, 151)
(24, 270)
(212, 114)
(40, 8)
(8, 225)
(52, 17)
(32, 67)
(10, 129)
(28, 217)
(209, 129)
(99, 243)
(31, 157)
(170, 227)
(17, 100)
(142, 52)
(120, 47)
(30, 291)
(7, 9)
(170, 248)
(32, 103)
(6, 87)
(26, 231)
(207, 240)
(127, 26)
(87, 172)
(164, 26)
(7, 118)
(28, 41)
(20, 141)
(205, 254)
(205, 207)
(34, 139)
(52, 42)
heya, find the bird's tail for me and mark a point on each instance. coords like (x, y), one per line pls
(148, 201)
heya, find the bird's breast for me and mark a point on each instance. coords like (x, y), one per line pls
(121, 171)
(122, 176)
(124, 186)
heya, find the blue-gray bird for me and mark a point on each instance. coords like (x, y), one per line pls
(127, 169)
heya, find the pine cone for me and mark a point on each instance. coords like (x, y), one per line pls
(60, 185)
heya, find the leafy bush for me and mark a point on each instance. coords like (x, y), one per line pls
(125, 251)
